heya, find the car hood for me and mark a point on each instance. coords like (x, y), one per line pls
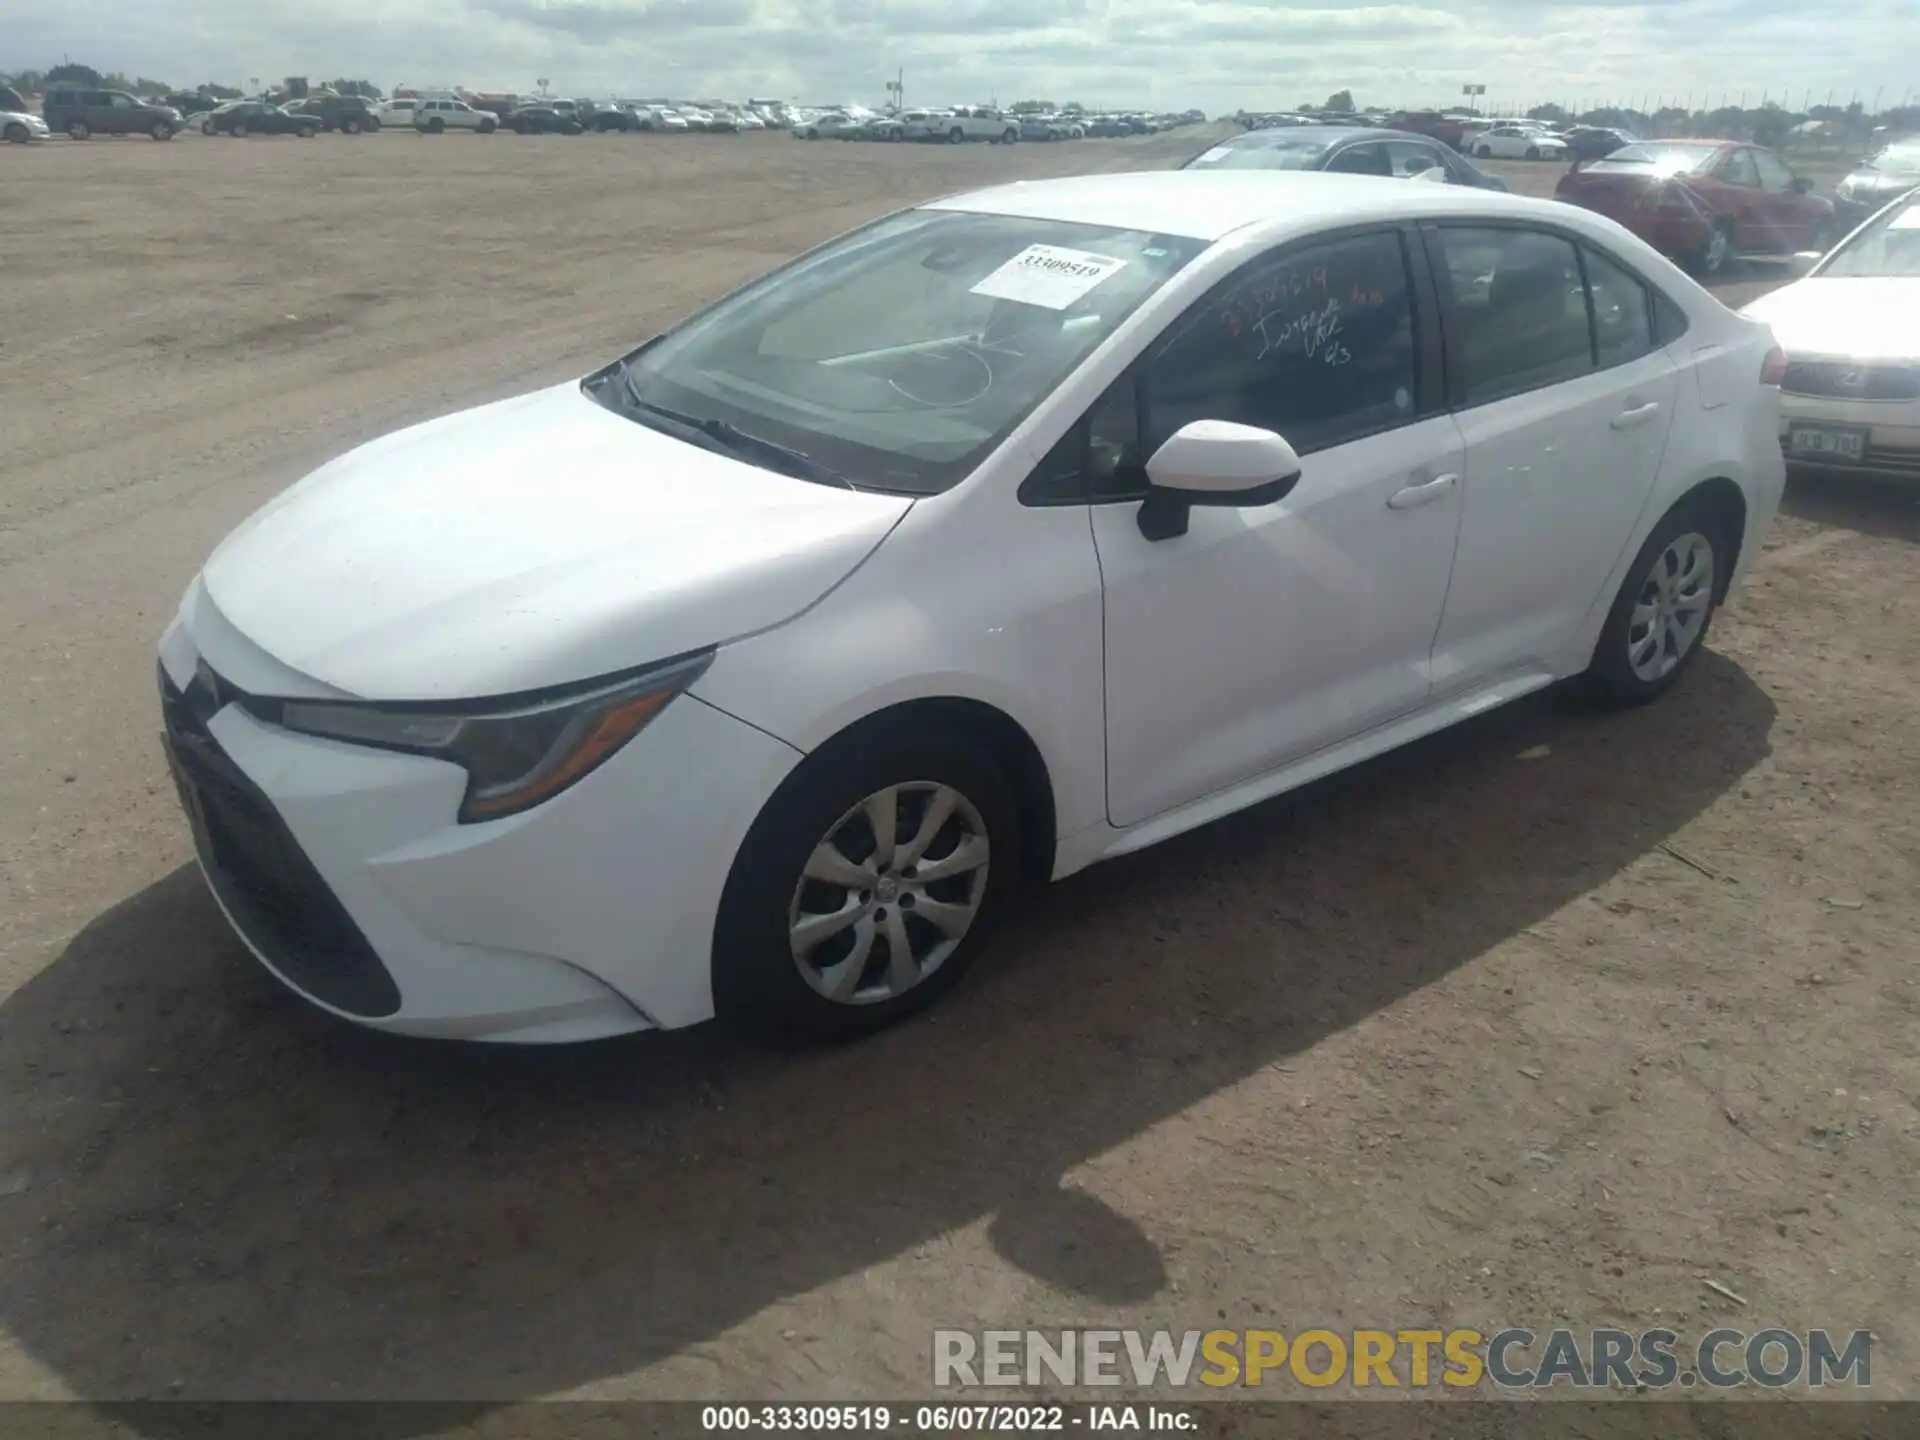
(1873, 319)
(529, 543)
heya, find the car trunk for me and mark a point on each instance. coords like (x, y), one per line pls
(1617, 194)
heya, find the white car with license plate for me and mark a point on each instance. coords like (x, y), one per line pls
(751, 674)
(1850, 394)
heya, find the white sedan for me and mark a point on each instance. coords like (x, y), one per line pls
(1516, 142)
(752, 673)
(1850, 398)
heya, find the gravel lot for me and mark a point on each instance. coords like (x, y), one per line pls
(1549, 1019)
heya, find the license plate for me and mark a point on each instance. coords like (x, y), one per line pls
(1827, 440)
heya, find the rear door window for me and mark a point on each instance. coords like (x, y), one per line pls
(1520, 308)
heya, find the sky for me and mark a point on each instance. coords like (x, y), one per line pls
(1217, 55)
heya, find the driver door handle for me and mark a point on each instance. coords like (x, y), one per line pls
(1425, 493)
(1639, 415)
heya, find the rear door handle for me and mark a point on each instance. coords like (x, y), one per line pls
(1414, 496)
(1639, 415)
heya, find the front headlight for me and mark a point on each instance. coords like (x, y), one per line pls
(517, 755)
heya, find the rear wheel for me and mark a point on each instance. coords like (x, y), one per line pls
(1009, 136)
(239, 130)
(956, 135)
(1485, 152)
(1533, 152)
(350, 127)
(866, 886)
(487, 127)
(1659, 620)
(79, 130)
(436, 126)
(307, 132)
(161, 130)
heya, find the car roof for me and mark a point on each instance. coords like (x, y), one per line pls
(1208, 205)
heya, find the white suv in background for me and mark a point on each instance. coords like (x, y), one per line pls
(434, 116)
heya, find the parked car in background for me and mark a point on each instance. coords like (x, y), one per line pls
(977, 122)
(745, 120)
(1850, 397)
(881, 127)
(1515, 142)
(1108, 127)
(544, 119)
(615, 115)
(1703, 202)
(1430, 123)
(190, 103)
(241, 118)
(1596, 142)
(661, 119)
(349, 114)
(1043, 127)
(872, 591)
(86, 113)
(1392, 153)
(435, 116)
(919, 124)
(1891, 173)
(833, 125)
(21, 127)
(396, 112)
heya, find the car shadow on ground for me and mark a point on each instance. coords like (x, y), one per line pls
(225, 1192)
(1888, 508)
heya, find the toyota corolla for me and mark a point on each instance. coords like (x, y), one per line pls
(751, 674)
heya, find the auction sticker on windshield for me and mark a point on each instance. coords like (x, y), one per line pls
(1051, 276)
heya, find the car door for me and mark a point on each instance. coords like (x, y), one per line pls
(1793, 216)
(1564, 401)
(1263, 634)
(1734, 190)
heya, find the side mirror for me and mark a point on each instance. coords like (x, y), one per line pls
(1214, 462)
(1802, 262)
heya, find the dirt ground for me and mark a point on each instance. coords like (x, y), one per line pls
(1549, 1019)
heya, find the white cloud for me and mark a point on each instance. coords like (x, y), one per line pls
(1217, 54)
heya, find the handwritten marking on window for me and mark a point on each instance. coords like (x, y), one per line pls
(1316, 334)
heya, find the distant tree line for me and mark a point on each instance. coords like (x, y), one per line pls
(33, 82)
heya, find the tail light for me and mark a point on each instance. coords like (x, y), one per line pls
(1773, 369)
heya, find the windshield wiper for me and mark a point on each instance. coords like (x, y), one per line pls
(725, 436)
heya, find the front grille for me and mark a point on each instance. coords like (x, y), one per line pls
(1842, 380)
(276, 897)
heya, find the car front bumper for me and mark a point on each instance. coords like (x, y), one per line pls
(346, 873)
(1892, 433)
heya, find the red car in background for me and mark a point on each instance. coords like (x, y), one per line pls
(1430, 123)
(1703, 201)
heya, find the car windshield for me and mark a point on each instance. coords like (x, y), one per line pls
(899, 355)
(1888, 249)
(1661, 159)
(1265, 150)
(1902, 159)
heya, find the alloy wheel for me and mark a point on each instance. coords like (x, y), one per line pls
(1671, 609)
(1717, 247)
(889, 893)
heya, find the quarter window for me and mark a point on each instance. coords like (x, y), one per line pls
(1774, 174)
(1405, 159)
(1367, 159)
(1522, 310)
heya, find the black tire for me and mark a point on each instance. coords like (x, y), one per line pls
(79, 130)
(372, 124)
(161, 130)
(307, 132)
(487, 127)
(207, 127)
(436, 126)
(238, 130)
(349, 127)
(1610, 677)
(757, 983)
(956, 136)
(17, 134)
(1533, 152)
(1485, 152)
(1009, 136)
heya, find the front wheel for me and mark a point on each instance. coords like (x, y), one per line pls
(487, 127)
(866, 886)
(17, 134)
(1533, 152)
(1009, 137)
(1659, 620)
(239, 130)
(956, 135)
(1711, 255)
(436, 126)
(207, 128)
(79, 130)
(1485, 152)
(306, 132)
(161, 130)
